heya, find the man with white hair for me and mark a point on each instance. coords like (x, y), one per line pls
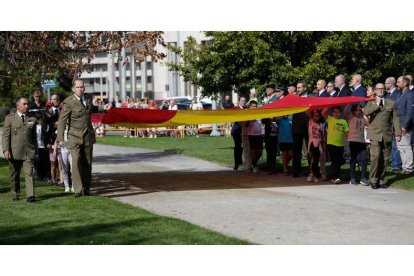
(356, 83)
(405, 113)
(383, 114)
(393, 94)
(340, 84)
(392, 91)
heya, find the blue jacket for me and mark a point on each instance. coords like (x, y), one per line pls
(343, 93)
(394, 96)
(325, 94)
(405, 109)
(360, 92)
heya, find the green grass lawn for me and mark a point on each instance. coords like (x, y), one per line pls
(217, 149)
(220, 150)
(59, 218)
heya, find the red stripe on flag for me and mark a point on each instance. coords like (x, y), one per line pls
(133, 115)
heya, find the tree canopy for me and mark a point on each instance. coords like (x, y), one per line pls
(242, 60)
(27, 58)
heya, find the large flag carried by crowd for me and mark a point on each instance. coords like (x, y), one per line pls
(131, 117)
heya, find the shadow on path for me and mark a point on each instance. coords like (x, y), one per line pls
(128, 184)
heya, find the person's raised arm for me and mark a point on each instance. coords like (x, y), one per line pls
(324, 113)
(346, 111)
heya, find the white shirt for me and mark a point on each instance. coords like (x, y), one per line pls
(82, 100)
(356, 129)
(320, 92)
(356, 87)
(379, 100)
(40, 144)
(174, 107)
(20, 115)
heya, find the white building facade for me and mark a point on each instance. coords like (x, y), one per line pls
(113, 81)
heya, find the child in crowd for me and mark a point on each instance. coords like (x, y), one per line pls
(337, 128)
(65, 158)
(255, 132)
(42, 163)
(285, 140)
(316, 144)
(54, 155)
(357, 145)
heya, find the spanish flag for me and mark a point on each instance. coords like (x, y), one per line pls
(131, 117)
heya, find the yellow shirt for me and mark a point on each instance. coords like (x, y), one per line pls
(336, 130)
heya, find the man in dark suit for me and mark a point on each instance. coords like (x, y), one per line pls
(342, 90)
(359, 90)
(270, 127)
(382, 115)
(392, 91)
(19, 148)
(227, 102)
(393, 94)
(320, 87)
(340, 85)
(405, 112)
(53, 110)
(299, 131)
(76, 114)
(356, 83)
(330, 88)
(236, 134)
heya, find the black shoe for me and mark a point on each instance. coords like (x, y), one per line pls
(78, 195)
(31, 199)
(383, 186)
(375, 186)
(16, 198)
(236, 168)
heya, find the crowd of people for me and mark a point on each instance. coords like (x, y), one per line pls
(55, 140)
(370, 132)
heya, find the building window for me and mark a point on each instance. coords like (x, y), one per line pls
(149, 65)
(149, 79)
(91, 81)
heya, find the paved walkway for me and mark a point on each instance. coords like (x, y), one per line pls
(263, 209)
